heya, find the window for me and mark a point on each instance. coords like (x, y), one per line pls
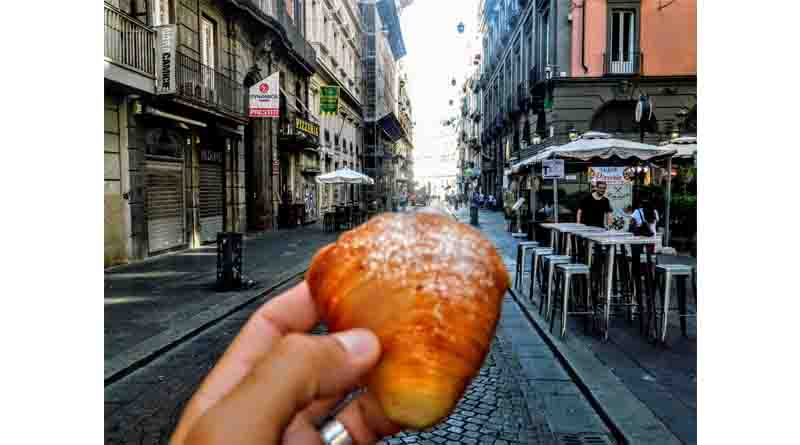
(161, 15)
(208, 48)
(546, 39)
(623, 38)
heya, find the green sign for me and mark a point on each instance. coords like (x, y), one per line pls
(328, 100)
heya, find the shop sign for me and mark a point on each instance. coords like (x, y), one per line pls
(609, 175)
(329, 100)
(620, 196)
(211, 156)
(306, 127)
(553, 169)
(275, 167)
(166, 46)
(265, 97)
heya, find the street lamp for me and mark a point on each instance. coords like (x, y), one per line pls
(675, 133)
(573, 134)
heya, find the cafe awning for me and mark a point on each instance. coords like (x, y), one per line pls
(602, 146)
(685, 147)
(344, 176)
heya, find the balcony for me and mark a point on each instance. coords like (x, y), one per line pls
(205, 86)
(129, 50)
(310, 165)
(275, 11)
(627, 65)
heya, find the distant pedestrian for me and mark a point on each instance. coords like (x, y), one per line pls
(595, 209)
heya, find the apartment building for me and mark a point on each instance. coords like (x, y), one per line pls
(182, 159)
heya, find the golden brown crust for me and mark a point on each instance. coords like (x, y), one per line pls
(431, 289)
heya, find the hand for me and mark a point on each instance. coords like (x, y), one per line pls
(274, 382)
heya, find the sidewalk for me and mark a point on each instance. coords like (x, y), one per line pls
(150, 303)
(648, 392)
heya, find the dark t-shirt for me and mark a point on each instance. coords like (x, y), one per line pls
(593, 211)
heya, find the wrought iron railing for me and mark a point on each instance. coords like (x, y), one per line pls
(633, 64)
(129, 42)
(276, 10)
(200, 83)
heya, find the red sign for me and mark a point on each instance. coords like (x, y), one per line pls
(264, 87)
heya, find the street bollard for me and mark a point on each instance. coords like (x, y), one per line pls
(473, 215)
(229, 261)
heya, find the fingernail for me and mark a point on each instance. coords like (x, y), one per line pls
(358, 342)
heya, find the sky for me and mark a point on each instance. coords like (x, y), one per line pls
(437, 53)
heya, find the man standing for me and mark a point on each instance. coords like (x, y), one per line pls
(595, 209)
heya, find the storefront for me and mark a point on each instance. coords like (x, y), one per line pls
(165, 206)
(211, 206)
(299, 164)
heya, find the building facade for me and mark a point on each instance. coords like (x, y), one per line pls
(404, 150)
(383, 47)
(334, 28)
(182, 159)
(551, 68)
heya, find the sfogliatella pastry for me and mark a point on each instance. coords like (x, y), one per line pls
(431, 289)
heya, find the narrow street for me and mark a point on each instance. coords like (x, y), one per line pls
(522, 395)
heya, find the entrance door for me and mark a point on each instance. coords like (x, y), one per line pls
(165, 206)
(212, 199)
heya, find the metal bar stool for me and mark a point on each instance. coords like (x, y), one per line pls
(328, 221)
(564, 285)
(547, 286)
(536, 270)
(665, 273)
(522, 252)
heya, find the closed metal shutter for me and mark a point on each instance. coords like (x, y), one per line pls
(212, 201)
(165, 208)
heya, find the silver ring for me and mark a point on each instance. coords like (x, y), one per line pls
(334, 433)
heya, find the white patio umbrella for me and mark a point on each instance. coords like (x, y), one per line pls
(685, 147)
(595, 145)
(344, 176)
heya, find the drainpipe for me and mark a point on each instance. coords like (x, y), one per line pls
(583, 37)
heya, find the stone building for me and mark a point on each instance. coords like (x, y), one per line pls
(555, 68)
(182, 159)
(334, 29)
(383, 47)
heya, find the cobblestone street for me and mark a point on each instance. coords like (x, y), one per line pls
(522, 394)
(144, 407)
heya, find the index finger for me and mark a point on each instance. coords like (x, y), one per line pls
(292, 311)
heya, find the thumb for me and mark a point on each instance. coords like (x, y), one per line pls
(298, 370)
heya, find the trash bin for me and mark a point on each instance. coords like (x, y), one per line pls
(229, 261)
(473, 215)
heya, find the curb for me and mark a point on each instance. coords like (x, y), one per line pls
(629, 420)
(126, 362)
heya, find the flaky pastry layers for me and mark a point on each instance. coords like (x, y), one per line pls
(431, 289)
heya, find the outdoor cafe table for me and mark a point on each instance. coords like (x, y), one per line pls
(608, 271)
(555, 228)
(564, 232)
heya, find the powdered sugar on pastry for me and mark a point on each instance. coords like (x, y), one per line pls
(415, 248)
